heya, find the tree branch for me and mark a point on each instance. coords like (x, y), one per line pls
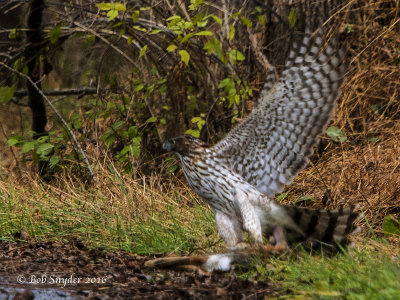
(67, 92)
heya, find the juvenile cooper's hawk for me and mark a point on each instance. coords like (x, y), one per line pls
(239, 175)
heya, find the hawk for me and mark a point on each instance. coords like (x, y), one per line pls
(239, 176)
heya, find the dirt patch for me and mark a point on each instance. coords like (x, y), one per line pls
(71, 271)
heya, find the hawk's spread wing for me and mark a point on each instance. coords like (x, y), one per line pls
(274, 142)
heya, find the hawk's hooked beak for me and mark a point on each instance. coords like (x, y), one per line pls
(167, 146)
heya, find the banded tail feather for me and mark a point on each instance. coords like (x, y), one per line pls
(329, 227)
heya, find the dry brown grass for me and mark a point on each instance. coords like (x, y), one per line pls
(367, 174)
(360, 171)
(373, 77)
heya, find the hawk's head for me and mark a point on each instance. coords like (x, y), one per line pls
(184, 145)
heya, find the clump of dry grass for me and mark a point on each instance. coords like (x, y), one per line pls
(372, 86)
(366, 174)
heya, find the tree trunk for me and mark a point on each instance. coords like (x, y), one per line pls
(32, 53)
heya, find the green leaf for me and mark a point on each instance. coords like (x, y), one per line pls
(43, 139)
(236, 55)
(135, 150)
(374, 140)
(154, 70)
(304, 199)
(44, 149)
(135, 15)
(139, 28)
(28, 146)
(118, 124)
(231, 34)
(195, 4)
(228, 84)
(54, 160)
(76, 121)
(213, 45)
(292, 18)
(390, 226)
(55, 33)
(187, 37)
(135, 147)
(119, 6)
(185, 56)
(349, 28)
(6, 93)
(234, 15)
(246, 22)
(125, 151)
(163, 121)
(136, 141)
(108, 139)
(132, 132)
(204, 33)
(261, 20)
(104, 6)
(155, 31)
(129, 40)
(217, 19)
(175, 17)
(171, 48)
(336, 134)
(199, 121)
(14, 140)
(143, 51)
(112, 14)
(193, 132)
(89, 39)
(13, 34)
(138, 85)
(151, 120)
(171, 163)
(281, 197)
(196, 119)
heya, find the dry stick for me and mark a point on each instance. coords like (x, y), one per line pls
(81, 91)
(63, 122)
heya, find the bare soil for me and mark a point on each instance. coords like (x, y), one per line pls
(72, 271)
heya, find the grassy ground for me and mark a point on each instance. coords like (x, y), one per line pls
(145, 218)
(372, 271)
(113, 215)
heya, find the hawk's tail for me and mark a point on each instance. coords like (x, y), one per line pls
(324, 226)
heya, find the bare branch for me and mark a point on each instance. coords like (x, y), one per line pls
(67, 92)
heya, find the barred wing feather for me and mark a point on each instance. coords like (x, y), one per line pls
(273, 143)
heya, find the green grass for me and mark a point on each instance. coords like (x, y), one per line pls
(113, 216)
(367, 273)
